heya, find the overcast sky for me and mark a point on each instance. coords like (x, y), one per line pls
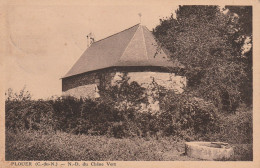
(46, 39)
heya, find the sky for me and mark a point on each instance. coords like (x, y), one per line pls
(45, 38)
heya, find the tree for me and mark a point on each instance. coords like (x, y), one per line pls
(244, 38)
(208, 42)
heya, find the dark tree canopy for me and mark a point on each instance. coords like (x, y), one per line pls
(209, 42)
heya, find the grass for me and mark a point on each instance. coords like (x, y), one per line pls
(60, 146)
(63, 146)
(243, 152)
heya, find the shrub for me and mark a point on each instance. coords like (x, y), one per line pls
(235, 128)
(186, 113)
(182, 116)
(117, 130)
(84, 116)
(28, 114)
(124, 95)
(66, 112)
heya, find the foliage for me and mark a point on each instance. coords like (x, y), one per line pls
(118, 113)
(21, 96)
(36, 129)
(188, 117)
(84, 116)
(209, 44)
(181, 115)
(125, 95)
(235, 128)
(22, 113)
(244, 38)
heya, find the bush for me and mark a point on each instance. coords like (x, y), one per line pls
(28, 114)
(66, 112)
(235, 128)
(185, 114)
(84, 116)
(182, 116)
(117, 113)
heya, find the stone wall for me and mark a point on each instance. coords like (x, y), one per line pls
(86, 91)
(167, 80)
(86, 85)
(80, 80)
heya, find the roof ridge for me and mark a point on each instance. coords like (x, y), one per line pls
(116, 33)
(146, 28)
(144, 42)
(129, 42)
(157, 42)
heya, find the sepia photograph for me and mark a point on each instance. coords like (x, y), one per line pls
(96, 83)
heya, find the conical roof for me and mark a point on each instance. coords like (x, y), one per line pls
(135, 46)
